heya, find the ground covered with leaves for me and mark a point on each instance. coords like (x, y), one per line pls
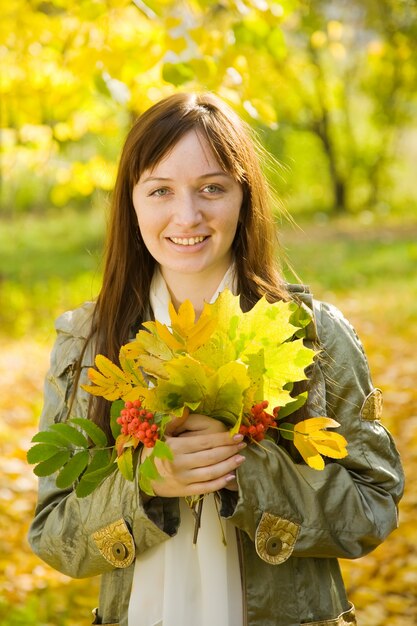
(369, 274)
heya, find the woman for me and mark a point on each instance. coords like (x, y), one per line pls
(191, 216)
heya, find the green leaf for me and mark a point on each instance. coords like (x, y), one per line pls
(125, 463)
(71, 434)
(51, 465)
(96, 434)
(187, 385)
(291, 407)
(91, 480)
(287, 431)
(224, 399)
(48, 436)
(115, 410)
(41, 452)
(218, 351)
(162, 450)
(99, 460)
(72, 470)
(148, 473)
(287, 362)
(300, 316)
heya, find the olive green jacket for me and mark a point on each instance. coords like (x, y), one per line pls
(292, 522)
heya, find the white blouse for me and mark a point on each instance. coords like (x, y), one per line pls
(177, 583)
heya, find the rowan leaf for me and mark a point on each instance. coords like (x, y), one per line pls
(108, 380)
(163, 451)
(115, 409)
(70, 433)
(148, 471)
(48, 436)
(99, 460)
(72, 470)
(54, 463)
(42, 452)
(125, 464)
(91, 480)
(122, 442)
(96, 434)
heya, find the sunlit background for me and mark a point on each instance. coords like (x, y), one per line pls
(330, 87)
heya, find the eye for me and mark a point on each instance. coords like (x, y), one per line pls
(212, 188)
(160, 192)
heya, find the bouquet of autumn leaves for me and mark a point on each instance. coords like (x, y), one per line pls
(228, 365)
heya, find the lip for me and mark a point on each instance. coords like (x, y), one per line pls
(190, 241)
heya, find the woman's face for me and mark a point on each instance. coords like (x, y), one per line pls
(188, 210)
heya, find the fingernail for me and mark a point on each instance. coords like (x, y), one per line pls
(239, 458)
(230, 478)
(241, 445)
(237, 437)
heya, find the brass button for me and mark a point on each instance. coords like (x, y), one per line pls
(119, 551)
(273, 545)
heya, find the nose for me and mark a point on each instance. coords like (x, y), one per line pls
(187, 212)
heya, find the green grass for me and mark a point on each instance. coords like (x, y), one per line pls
(47, 265)
(51, 263)
(344, 257)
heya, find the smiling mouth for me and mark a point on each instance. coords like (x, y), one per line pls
(187, 241)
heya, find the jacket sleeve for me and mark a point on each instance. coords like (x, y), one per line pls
(88, 536)
(348, 508)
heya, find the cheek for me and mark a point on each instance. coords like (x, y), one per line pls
(146, 228)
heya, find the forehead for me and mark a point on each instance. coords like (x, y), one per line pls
(193, 148)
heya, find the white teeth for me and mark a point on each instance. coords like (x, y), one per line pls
(187, 242)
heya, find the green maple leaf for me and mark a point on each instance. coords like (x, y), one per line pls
(186, 385)
(225, 390)
(287, 362)
(218, 351)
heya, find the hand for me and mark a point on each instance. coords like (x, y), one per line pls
(205, 458)
(196, 424)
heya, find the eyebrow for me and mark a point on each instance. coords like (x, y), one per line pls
(153, 179)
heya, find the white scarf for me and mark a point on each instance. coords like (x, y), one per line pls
(176, 583)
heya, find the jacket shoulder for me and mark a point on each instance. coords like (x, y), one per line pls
(329, 325)
(77, 322)
(73, 328)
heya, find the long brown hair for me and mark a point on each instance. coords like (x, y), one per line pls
(123, 300)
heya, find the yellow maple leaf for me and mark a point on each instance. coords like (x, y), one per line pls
(108, 380)
(312, 440)
(168, 338)
(192, 334)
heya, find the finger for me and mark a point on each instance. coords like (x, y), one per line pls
(202, 488)
(206, 458)
(232, 483)
(209, 473)
(176, 424)
(196, 423)
(208, 441)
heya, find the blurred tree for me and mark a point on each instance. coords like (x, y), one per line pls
(336, 77)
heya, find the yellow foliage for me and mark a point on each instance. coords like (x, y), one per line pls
(312, 440)
(108, 380)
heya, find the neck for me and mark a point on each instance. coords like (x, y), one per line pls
(198, 288)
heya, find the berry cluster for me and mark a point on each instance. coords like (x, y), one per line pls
(258, 422)
(139, 423)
